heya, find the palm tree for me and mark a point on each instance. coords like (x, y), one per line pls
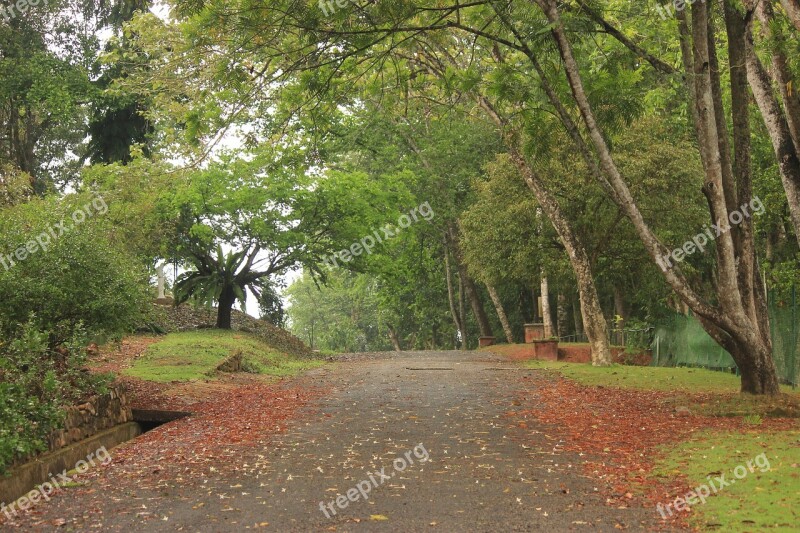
(222, 279)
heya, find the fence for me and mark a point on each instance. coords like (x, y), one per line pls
(681, 341)
(637, 338)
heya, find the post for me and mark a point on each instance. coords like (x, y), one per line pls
(161, 281)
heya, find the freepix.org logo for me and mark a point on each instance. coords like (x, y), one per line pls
(389, 231)
(20, 7)
(46, 238)
(363, 488)
(709, 234)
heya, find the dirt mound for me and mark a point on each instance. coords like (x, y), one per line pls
(170, 319)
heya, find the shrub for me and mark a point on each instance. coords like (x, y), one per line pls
(81, 277)
(36, 382)
(77, 284)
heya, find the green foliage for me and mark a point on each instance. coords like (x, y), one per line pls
(342, 316)
(44, 86)
(80, 278)
(205, 286)
(36, 382)
(271, 308)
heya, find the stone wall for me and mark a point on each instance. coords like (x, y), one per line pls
(96, 415)
(87, 419)
(232, 363)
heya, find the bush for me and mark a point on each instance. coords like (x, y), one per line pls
(78, 277)
(36, 382)
(57, 291)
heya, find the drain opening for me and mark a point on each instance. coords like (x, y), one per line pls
(150, 419)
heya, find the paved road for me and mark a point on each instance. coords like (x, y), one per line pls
(444, 418)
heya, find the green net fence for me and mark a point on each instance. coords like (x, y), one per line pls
(681, 341)
(783, 315)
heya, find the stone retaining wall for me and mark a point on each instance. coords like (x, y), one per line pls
(232, 363)
(96, 415)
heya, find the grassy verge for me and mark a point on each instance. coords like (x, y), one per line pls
(719, 389)
(194, 355)
(764, 493)
(760, 499)
(644, 377)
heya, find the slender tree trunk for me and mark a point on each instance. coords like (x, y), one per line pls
(781, 72)
(547, 316)
(225, 308)
(593, 320)
(594, 323)
(792, 8)
(778, 130)
(501, 313)
(462, 311)
(395, 340)
(469, 285)
(457, 320)
(476, 304)
(577, 317)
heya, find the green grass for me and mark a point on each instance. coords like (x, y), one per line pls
(194, 355)
(644, 377)
(768, 500)
(723, 387)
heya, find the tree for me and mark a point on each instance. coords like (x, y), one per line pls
(495, 56)
(43, 86)
(345, 315)
(222, 278)
(118, 120)
(270, 306)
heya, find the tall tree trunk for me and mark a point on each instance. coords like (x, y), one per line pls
(462, 311)
(547, 316)
(593, 320)
(469, 285)
(577, 317)
(501, 313)
(792, 8)
(395, 340)
(732, 323)
(781, 72)
(457, 317)
(476, 304)
(594, 323)
(778, 130)
(225, 308)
